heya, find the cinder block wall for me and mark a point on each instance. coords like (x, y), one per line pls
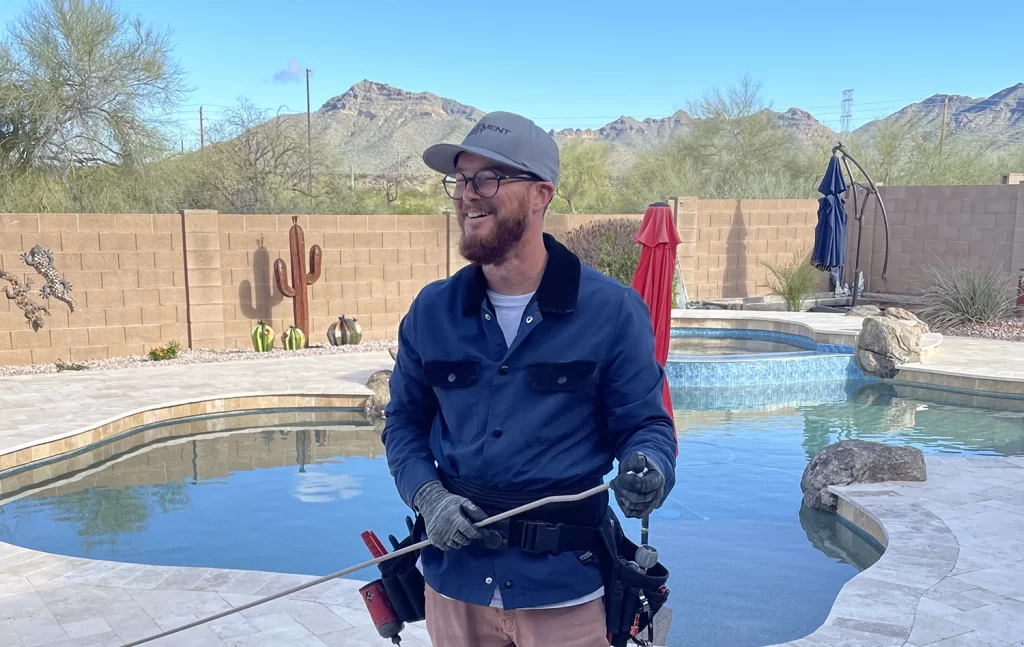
(725, 242)
(372, 267)
(204, 278)
(127, 277)
(929, 225)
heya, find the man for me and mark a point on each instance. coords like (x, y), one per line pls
(524, 374)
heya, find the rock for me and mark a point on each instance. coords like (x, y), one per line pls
(907, 315)
(394, 353)
(857, 461)
(863, 311)
(380, 384)
(886, 342)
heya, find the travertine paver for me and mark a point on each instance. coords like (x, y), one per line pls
(36, 408)
(979, 358)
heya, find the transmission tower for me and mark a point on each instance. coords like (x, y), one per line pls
(847, 118)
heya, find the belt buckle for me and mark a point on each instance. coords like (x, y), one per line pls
(540, 537)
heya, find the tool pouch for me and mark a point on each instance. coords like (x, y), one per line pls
(402, 581)
(625, 609)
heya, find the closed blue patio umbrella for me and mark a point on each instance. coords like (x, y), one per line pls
(830, 234)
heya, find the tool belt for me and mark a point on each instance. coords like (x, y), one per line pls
(631, 598)
(553, 528)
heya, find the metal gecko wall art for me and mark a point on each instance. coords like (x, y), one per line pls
(41, 260)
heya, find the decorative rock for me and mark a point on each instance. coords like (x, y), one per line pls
(857, 461)
(863, 311)
(380, 384)
(394, 353)
(886, 342)
(907, 315)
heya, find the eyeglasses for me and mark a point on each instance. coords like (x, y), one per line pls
(485, 183)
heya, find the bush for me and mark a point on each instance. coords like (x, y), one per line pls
(608, 247)
(793, 281)
(169, 352)
(963, 294)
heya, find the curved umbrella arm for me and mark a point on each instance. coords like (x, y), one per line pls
(874, 190)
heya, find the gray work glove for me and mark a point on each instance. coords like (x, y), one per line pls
(639, 493)
(449, 518)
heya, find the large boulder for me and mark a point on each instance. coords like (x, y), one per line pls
(886, 342)
(863, 311)
(857, 461)
(380, 383)
(907, 315)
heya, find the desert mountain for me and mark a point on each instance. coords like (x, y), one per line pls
(379, 128)
(997, 119)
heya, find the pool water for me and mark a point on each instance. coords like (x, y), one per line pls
(290, 491)
(728, 346)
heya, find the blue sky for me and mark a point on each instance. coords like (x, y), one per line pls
(582, 64)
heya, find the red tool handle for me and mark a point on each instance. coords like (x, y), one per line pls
(373, 543)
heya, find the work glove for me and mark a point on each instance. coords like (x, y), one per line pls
(448, 518)
(639, 486)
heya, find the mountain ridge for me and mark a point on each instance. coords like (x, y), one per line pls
(378, 128)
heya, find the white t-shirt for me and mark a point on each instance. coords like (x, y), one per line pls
(509, 311)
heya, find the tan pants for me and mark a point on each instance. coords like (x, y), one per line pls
(456, 624)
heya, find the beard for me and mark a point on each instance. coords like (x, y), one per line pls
(508, 229)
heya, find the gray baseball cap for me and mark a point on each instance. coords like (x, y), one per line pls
(506, 138)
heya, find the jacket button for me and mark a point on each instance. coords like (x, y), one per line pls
(503, 370)
(497, 432)
(508, 584)
(488, 580)
(451, 377)
(561, 379)
(529, 319)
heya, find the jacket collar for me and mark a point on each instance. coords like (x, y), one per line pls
(556, 294)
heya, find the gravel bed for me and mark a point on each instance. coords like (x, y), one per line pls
(1008, 330)
(206, 356)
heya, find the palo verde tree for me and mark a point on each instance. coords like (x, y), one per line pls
(83, 86)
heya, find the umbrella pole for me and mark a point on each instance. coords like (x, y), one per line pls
(885, 217)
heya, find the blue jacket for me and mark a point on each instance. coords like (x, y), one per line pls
(579, 387)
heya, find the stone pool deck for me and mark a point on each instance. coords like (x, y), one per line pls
(952, 574)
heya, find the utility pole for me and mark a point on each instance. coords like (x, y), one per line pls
(309, 147)
(942, 130)
(202, 135)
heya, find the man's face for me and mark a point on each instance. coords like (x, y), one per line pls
(493, 226)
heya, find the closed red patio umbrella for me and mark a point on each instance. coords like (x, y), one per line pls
(654, 276)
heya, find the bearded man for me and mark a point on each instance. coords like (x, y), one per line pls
(524, 374)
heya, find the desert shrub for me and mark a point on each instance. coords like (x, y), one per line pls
(168, 352)
(961, 294)
(792, 281)
(608, 247)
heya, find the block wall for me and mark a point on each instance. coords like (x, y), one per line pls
(933, 225)
(127, 277)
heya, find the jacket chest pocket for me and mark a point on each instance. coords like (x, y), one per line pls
(561, 395)
(560, 377)
(451, 374)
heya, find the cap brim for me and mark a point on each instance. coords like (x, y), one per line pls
(442, 157)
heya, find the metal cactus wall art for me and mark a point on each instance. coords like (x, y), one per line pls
(41, 260)
(297, 291)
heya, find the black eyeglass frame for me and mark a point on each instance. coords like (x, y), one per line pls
(449, 180)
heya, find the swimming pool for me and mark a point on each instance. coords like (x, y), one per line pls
(289, 491)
